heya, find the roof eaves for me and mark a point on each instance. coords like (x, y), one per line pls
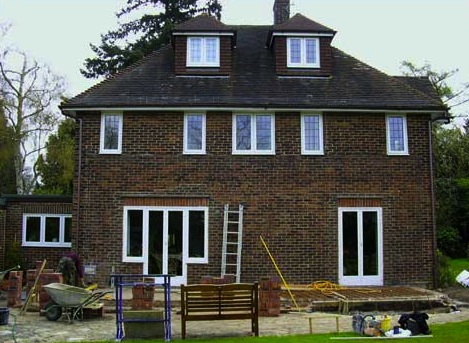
(69, 103)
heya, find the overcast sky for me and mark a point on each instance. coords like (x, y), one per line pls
(381, 33)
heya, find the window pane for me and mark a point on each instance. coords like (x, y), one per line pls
(196, 233)
(68, 230)
(194, 132)
(155, 242)
(396, 133)
(211, 50)
(263, 131)
(175, 242)
(195, 50)
(311, 51)
(111, 132)
(350, 243)
(52, 229)
(134, 232)
(295, 50)
(243, 132)
(33, 229)
(312, 132)
(370, 243)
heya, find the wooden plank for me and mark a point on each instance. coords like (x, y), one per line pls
(33, 289)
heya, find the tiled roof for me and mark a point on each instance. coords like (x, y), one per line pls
(202, 23)
(300, 23)
(253, 82)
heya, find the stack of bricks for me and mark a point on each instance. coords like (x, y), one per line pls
(210, 280)
(15, 282)
(269, 297)
(46, 277)
(142, 296)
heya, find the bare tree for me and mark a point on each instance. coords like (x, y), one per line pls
(30, 93)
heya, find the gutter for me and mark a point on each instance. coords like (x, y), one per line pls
(444, 119)
(72, 115)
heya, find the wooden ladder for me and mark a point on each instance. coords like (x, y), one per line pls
(232, 242)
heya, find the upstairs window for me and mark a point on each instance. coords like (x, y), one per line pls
(47, 230)
(203, 51)
(253, 134)
(111, 134)
(194, 133)
(303, 53)
(311, 134)
(396, 132)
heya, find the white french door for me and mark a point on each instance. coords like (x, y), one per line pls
(360, 246)
(166, 239)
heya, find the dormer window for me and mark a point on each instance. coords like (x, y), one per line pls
(303, 52)
(203, 51)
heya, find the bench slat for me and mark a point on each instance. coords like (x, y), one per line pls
(220, 302)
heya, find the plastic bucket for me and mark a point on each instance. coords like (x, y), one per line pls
(4, 314)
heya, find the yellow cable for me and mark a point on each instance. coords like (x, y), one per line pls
(280, 274)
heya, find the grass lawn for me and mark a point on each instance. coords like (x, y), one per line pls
(457, 265)
(443, 333)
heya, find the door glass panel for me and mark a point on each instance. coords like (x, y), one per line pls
(196, 233)
(175, 242)
(134, 233)
(350, 243)
(370, 243)
(155, 242)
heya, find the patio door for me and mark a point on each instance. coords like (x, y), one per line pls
(165, 239)
(165, 244)
(360, 246)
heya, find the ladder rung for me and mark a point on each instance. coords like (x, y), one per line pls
(231, 253)
(232, 222)
(231, 264)
(233, 232)
(232, 243)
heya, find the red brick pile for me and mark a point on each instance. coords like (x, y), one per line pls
(269, 297)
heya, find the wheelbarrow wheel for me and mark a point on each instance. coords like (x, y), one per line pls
(53, 311)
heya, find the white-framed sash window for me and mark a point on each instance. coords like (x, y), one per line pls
(312, 134)
(396, 134)
(194, 133)
(47, 230)
(111, 133)
(203, 51)
(254, 134)
(303, 52)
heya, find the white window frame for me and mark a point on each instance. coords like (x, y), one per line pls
(391, 151)
(203, 46)
(166, 209)
(303, 63)
(118, 150)
(42, 243)
(187, 150)
(253, 150)
(304, 150)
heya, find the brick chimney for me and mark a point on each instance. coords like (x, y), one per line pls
(281, 11)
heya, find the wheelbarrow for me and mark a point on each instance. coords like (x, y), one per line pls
(69, 299)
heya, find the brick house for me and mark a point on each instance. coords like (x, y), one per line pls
(325, 157)
(37, 227)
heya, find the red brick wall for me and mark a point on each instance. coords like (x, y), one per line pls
(14, 226)
(290, 199)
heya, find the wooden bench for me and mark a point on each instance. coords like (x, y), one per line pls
(220, 302)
